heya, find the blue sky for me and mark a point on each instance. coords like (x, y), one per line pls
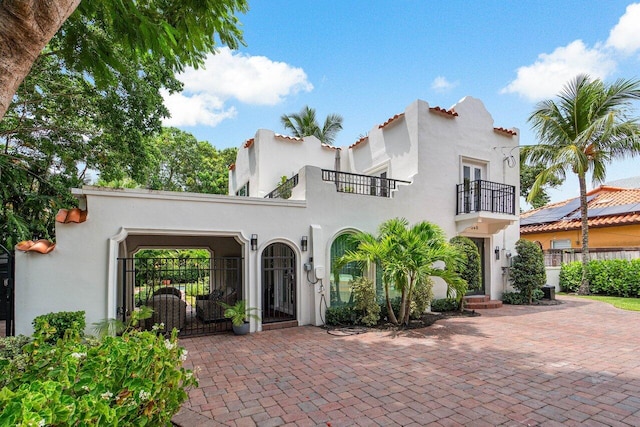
(368, 60)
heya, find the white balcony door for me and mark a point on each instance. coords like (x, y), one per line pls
(471, 175)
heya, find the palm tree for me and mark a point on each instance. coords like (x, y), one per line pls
(305, 124)
(407, 256)
(587, 128)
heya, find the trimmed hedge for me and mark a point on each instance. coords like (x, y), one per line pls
(614, 277)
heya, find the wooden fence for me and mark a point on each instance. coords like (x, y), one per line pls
(557, 257)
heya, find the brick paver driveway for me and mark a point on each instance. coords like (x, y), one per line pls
(577, 363)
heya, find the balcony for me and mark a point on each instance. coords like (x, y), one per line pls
(485, 206)
(283, 191)
(367, 185)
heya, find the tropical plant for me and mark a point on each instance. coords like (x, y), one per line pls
(588, 127)
(527, 271)
(408, 257)
(135, 379)
(305, 124)
(238, 313)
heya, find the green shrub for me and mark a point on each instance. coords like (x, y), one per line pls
(364, 296)
(570, 276)
(527, 269)
(134, 379)
(444, 304)
(422, 296)
(470, 268)
(195, 289)
(55, 325)
(340, 315)
(615, 277)
(10, 347)
(518, 298)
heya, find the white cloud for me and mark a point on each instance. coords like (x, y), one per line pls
(625, 36)
(198, 109)
(546, 77)
(441, 84)
(255, 80)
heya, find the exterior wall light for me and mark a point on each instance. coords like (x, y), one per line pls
(304, 243)
(254, 242)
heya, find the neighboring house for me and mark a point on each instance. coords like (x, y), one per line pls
(277, 249)
(613, 217)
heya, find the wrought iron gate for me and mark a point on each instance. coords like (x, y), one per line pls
(7, 286)
(278, 283)
(184, 293)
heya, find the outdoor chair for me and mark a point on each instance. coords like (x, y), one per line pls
(169, 309)
(208, 308)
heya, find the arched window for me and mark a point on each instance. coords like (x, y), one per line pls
(340, 286)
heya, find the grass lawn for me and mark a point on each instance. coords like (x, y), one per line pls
(632, 304)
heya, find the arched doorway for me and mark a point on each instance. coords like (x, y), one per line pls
(278, 283)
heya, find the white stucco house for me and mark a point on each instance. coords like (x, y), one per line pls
(451, 167)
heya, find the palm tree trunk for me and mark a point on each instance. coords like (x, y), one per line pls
(403, 304)
(407, 309)
(390, 314)
(584, 282)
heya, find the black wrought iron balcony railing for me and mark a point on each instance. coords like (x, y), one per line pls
(485, 196)
(368, 185)
(283, 191)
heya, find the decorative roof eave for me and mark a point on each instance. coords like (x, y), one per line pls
(506, 132)
(65, 216)
(41, 246)
(390, 120)
(232, 167)
(450, 114)
(287, 137)
(249, 142)
(362, 140)
(330, 147)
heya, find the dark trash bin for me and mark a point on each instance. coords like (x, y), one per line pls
(549, 292)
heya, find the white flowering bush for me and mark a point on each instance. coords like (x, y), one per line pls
(134, 379)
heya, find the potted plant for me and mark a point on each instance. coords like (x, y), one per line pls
(239, 315)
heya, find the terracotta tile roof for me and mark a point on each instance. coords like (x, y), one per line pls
(248, 143)
(444, 112)
(507, 132)
(232, 167)
(41, 246)
(330, 147)
(76, 215)
(628, 201)
(287, 137)
(362, 140)
(390, 120)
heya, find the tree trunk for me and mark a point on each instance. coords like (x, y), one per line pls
(584, 282)
(390, 314)
(26, 26)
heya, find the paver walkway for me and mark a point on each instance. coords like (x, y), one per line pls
(577, 363)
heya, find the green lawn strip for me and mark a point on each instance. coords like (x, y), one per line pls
(631, 304)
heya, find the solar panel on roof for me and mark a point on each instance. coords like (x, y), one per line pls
(553, 214)
(608, 210)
